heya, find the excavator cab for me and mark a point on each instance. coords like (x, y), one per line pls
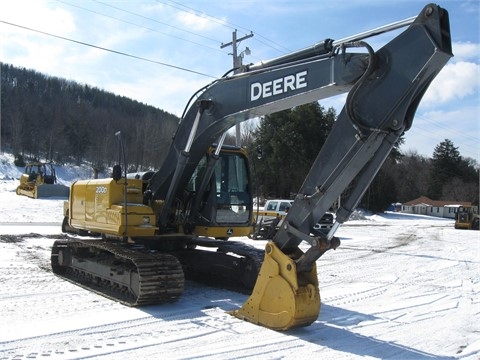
(219, 193)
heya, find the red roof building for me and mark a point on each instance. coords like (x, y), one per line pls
(426, 206)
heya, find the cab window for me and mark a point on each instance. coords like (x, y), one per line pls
(272, 205)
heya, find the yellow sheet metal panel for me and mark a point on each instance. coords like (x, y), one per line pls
(77, 201)
(139, 224)
(223, 231)
(91, 208)
(98, 205)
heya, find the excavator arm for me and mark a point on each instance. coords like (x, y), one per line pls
(379, 109)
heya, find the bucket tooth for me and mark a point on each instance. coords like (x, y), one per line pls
(282, 298)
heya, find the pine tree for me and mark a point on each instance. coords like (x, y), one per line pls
(290, 141)
(445, 165)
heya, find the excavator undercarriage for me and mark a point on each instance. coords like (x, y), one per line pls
(138, 275)
(134, 277)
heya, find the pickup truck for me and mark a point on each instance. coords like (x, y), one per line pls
(274, 211)
(280, 207)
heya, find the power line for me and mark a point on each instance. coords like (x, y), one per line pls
(233, 26)
(178, 7)
(469, 142)
(198, 13)
(154, 20)
(464, 135)
(110, 50)
(141, 26)
(427, 133)
(163, 23)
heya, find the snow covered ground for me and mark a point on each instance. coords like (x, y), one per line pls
(399, 286)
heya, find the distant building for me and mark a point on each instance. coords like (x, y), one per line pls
(426, 206)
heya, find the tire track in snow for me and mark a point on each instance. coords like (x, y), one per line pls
(103, 338)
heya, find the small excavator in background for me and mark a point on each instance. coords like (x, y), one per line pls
(40, 181)
(155, 231)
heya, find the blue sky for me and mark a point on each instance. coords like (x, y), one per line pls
(189, 35)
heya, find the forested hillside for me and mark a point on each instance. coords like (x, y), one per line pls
(45, 117)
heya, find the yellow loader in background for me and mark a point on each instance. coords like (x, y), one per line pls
(40, 181)
(467, 218)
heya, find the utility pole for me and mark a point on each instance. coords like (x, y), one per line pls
(237, 66)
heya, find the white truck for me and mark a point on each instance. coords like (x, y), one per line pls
(271, 217)
(280, 207)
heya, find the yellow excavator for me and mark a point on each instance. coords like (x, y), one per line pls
(40, 181)
(148, 232)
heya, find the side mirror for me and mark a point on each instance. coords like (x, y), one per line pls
(117, 172)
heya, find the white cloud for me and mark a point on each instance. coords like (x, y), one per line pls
(466, 51)
(31, 49)
(38, 15)
(196, 23)
(456, 81)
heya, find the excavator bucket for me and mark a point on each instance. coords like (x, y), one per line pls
(282, 298)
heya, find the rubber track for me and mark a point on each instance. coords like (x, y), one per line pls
(160, 274)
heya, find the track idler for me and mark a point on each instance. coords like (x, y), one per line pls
(282, 298)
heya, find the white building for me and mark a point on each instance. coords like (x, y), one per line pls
(425, 206)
